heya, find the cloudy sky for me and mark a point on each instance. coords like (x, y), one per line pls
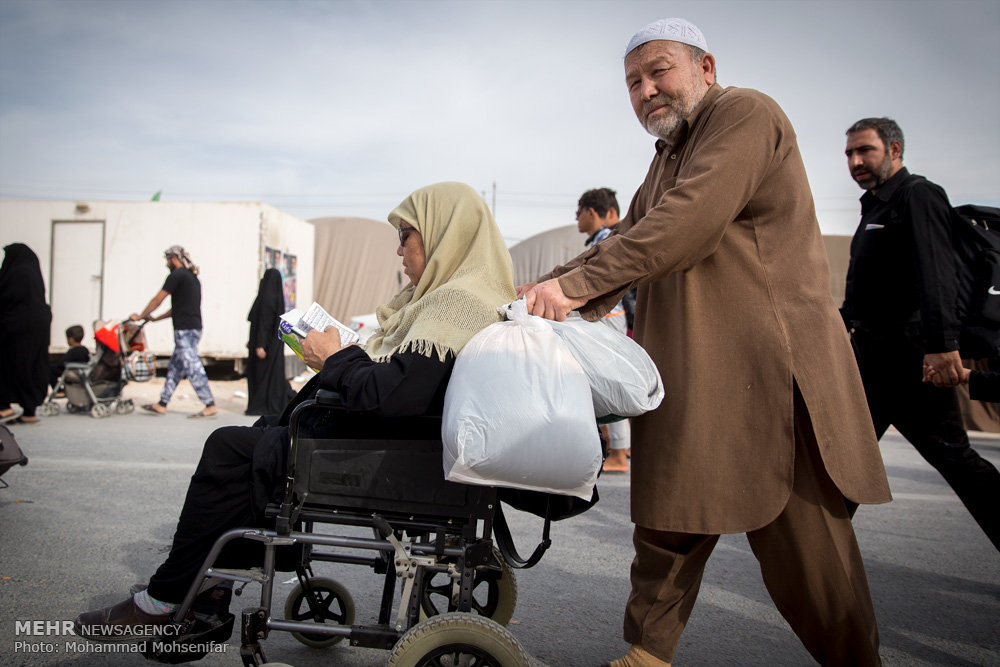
(342, 108)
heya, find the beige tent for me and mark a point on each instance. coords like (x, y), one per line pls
(356, 267)
(541, 253)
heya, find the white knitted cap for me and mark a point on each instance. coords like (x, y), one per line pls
(674, 30)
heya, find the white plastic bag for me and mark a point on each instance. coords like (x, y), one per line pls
(517, 413)
(623, 379)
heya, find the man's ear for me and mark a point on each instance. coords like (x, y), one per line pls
(895, 150)
(707, 66)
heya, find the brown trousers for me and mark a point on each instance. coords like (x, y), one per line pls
(808, 556)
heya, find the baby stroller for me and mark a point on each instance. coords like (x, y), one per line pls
(96, 387)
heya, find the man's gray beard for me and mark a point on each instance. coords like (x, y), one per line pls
(663, 126)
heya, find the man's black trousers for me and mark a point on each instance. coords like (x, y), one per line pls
(929, 418)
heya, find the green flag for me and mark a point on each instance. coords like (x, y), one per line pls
(156, 197)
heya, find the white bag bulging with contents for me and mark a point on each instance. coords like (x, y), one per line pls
(623, 379)
(517, 413)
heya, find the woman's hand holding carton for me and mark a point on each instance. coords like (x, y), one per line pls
(318, 346)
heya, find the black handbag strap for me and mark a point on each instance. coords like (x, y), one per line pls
(505, 542)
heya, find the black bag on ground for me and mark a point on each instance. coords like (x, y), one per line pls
(10, 453)
(976, 239)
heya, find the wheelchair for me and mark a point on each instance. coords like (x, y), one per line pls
(429, 537)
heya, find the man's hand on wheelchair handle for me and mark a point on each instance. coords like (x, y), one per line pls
(548, 300)
(521, 290)
(318, 346)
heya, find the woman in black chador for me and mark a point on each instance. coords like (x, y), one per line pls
(269, 391)
(24, 334)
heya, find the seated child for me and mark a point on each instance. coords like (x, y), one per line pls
(76, 354)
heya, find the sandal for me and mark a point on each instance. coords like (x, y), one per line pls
(27, 420)
(10, 415)
(203, 415)
(153, 408)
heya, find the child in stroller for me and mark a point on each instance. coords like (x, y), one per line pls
(96, 386)
(76, 354)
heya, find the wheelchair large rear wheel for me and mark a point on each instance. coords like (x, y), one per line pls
(331, 602)
(454, 639)
(494, 594)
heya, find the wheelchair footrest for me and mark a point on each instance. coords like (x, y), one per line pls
(207, 634)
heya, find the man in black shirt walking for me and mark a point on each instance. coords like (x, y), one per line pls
(184, 290)
(900, 307)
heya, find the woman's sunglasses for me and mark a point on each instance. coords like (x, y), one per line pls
(404, 232)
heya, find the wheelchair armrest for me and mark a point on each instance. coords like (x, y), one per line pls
(328, 397)
(324, 399)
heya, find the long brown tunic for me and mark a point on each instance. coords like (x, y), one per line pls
(734, 307)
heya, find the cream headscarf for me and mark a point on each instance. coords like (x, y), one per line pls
(468, 275)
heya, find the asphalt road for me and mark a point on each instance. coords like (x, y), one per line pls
(95, 509)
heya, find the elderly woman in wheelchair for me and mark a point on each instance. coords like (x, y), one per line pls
(459, 272)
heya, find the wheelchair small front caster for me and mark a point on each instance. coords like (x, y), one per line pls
(331, 601)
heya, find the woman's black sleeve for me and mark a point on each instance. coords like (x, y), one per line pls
(406, 384)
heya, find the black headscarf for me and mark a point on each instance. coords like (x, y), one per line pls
(270, 301)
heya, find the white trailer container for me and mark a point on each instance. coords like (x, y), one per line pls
(104, 260)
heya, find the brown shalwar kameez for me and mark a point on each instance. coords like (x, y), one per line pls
(734, 306)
